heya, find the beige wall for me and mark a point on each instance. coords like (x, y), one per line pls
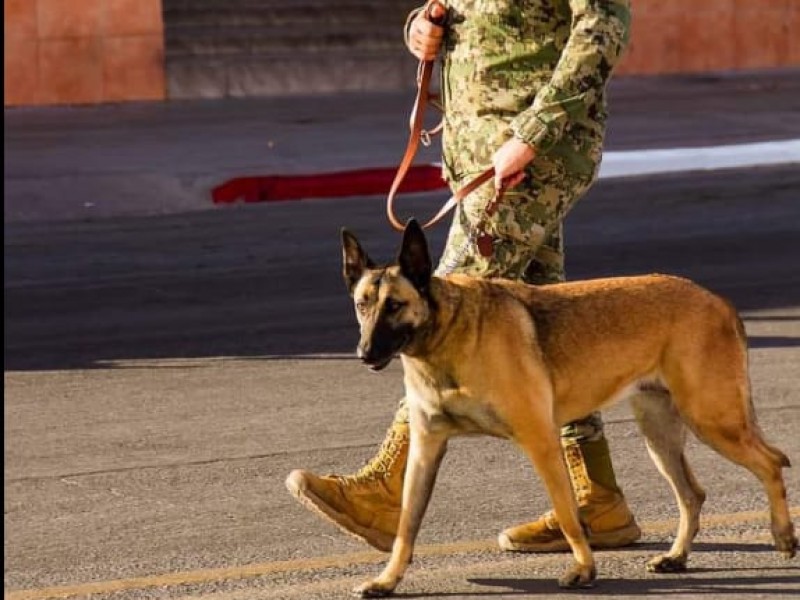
(673, 36)
(83, 51)
(91, 51)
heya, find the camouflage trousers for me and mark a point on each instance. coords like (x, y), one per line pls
(528, 237)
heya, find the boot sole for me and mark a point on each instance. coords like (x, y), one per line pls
(376, 539)
(619, 538)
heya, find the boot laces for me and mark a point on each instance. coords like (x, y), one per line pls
(578, 473)
(381, 464)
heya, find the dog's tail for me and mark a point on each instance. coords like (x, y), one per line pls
(741, 338)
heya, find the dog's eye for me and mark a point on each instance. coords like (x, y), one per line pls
(392, 306)
(361, 307)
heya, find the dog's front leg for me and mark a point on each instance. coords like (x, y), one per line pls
(543, 447)
(424, 457)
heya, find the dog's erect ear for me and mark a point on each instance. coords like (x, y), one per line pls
(354, 260)
(414, 260)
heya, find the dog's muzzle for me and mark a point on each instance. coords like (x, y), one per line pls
(377, 356)
(373, 360)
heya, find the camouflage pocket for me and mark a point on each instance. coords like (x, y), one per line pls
(519, 219)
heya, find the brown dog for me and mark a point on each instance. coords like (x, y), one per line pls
(519, 361)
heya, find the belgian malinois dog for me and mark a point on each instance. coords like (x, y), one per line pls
(518, 361)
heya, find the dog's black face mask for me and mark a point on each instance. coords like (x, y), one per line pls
(391, 302)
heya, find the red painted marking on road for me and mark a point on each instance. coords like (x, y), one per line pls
(359, 182)
(427, 177)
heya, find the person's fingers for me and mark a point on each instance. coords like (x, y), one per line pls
(424, 51)
(509, 162)
(425, 38)
(425, 44)
(498, 180)
(509, 181)
(516, 179)
(424, 28)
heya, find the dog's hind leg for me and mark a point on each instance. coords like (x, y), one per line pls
(708, 377)
(743, 444)
(716, 405)
(665, 436)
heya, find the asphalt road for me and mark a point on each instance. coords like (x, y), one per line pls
(163, 374)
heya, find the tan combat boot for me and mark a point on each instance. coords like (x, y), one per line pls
(601, 507)
(365, 505)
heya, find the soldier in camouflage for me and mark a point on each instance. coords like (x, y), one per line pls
(523, 87)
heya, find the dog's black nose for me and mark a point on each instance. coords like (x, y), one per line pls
(366, 354)
(372, 359)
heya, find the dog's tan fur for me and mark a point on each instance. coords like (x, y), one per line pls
(519, 361)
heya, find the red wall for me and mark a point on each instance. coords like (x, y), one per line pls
(91, 51)
(673, 36)
(83, 51)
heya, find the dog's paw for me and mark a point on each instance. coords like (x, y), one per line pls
(667, 564)
(577, 577)
(373, 589)
(786, 543)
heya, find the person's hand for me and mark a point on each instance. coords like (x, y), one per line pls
(424, 37)
(509, 161)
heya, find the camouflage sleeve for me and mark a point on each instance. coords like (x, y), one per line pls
(598, 35)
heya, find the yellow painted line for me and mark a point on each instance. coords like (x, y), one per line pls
(325, 562)
(196, 577)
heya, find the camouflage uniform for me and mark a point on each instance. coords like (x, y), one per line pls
(537, 70)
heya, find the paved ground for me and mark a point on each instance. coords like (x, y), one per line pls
(167, 364)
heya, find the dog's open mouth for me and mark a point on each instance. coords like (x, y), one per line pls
(376, 364)
(380, 366)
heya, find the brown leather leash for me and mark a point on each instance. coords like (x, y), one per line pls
(435, 12)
